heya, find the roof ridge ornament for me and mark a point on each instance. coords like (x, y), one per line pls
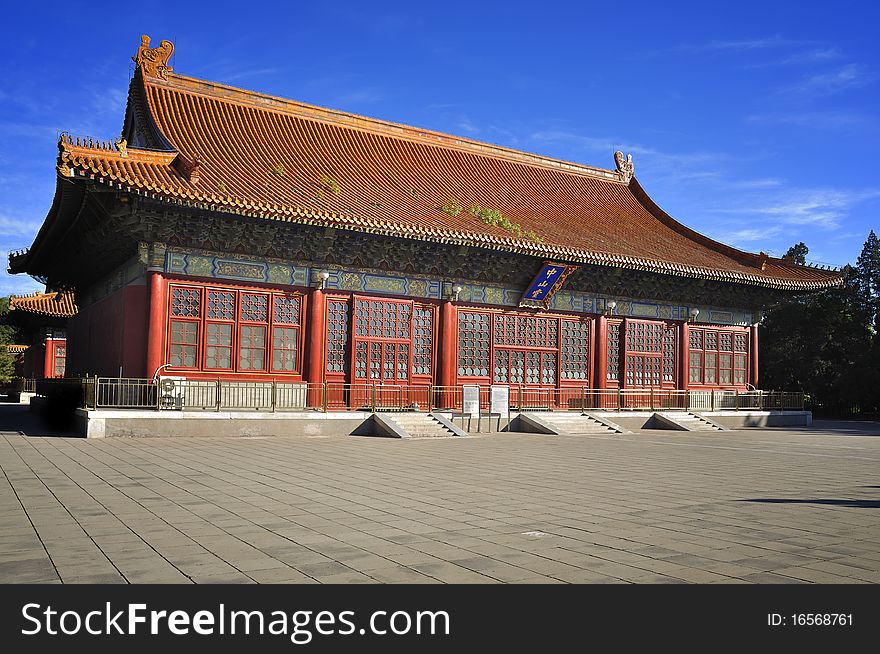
(762, 260)
(154, 61)
(624, 166)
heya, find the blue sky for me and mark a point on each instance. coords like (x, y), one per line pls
(755, 123)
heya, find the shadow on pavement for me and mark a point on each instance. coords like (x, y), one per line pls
(19, 419)
(846, 427)
(854, 504)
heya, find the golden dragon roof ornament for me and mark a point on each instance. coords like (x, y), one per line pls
(154, 61)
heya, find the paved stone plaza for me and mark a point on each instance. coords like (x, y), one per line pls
(758, 506)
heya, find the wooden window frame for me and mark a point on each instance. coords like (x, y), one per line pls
(721, 333)
(370, 338)
(236, 323)
(540, 346)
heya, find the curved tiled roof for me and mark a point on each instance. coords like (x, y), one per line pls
(244, 152)
(55, 304)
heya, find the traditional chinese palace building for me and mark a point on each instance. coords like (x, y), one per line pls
(42, 320)
(234, 235)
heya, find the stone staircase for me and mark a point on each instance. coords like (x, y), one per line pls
(574, 423)
(689, 421)
(420, 425)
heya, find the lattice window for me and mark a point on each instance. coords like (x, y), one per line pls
(612, 371)
(644, 337)
(360, 360)
(548, 368)
(723, 360)
(423, 343)
(711, 340)
(221, 305)
(222, 336)
(404, 320)
(389, 362)
(502, 366)
(186, 302)
(695, 367)
(286, 309)
(533, 367)
(184, 343)
(285, 344)
(696, 339)
(252, 347)
(382, 319)
(739, 368)
(575, 352)
(669, 355)
(725, 368)
(517, 367)
(375, 360)
(254, 307)
(337, 338)
(526, 331)
(218, 346)
(402, 361)
(473, 344)
(642, 370)
(711, 367)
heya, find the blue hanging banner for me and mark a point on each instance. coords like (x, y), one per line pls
(550, 279)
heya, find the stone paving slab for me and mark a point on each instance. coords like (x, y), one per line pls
(750, 506)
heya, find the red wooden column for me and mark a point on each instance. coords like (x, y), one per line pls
(601, 351)
(753, 354)
(448, 350)
(156, 326)
(316, 347)
(49, 358)
(684, 363)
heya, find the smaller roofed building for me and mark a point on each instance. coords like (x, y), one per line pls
(228, 234)
(42, 320)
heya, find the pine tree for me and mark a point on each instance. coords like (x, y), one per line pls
(868, 276)
(797, 253)
(828, 344)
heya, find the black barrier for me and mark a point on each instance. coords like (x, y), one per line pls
(435, 618)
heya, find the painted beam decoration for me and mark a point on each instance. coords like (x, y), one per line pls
(549, 279)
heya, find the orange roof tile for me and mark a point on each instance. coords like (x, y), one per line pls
(243, 152)
(16, 349)
(55, 304)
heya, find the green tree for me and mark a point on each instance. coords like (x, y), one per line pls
(798, 253)
(826, 344)
(868, 279)
(8, 334)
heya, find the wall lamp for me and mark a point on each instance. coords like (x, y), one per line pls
(610, 307)
(323, 276)
(456, 290)
(693, 315)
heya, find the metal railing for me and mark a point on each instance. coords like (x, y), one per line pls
(119, 393)
(217, 395)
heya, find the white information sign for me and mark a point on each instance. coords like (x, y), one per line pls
(500, 399)
(470, 400)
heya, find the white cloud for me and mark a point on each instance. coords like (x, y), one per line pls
(466, 125)
(842, 79)
(815, 119)
(748, 235)
(10, 226)
(823, 208)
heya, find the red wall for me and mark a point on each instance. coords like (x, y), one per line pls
(110, 334)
